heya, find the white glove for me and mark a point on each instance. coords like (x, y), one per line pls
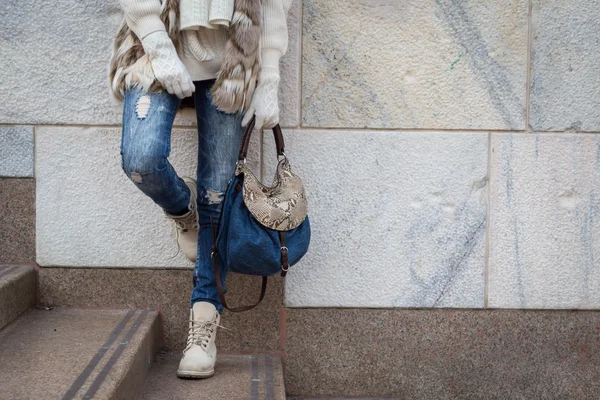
(265, 103)
(167, 67)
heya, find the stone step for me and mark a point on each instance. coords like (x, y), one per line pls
(18, 291)
(78, 354)
(254, 377)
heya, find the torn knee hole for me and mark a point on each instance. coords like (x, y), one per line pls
(142, 107)
(213, 196)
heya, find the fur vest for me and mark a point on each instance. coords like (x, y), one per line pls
(236, 79)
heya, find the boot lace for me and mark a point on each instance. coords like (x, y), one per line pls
(186, 222)
(200, 332)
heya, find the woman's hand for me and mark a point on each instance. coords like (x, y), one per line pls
(265, 102)
(166, 65)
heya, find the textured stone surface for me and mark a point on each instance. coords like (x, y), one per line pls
(398, 219)
(544, 221)
(565, 70)
(17, 220)
(16, 151)
(18, 291)
(169, 291)
(70, 42)
(414, 64)
(90, 214)
(46, 354)
(237, 377)
(54, 61)
(289, 86)
(443, 354)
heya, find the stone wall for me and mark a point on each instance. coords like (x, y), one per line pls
(449, 150)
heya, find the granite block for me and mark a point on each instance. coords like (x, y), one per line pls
(544, 221)
(100, 354)
(90, 214)
(565, 66)
(18, 291)
(433, 64)
(169, 292)
(398, 219)
(16, 151)
(443, 354)
(17, 219)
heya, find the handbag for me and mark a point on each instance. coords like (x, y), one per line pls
(262, 230)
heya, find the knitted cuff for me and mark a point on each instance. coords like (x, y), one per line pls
(270, 58)
(149, 24)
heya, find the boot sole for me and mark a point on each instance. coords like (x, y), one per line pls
(195, 375)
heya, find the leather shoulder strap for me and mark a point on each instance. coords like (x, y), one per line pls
(263, 290)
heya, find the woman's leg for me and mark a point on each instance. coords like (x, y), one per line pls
(146, 144)
(219, 138)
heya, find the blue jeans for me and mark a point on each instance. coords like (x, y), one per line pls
(146, 144)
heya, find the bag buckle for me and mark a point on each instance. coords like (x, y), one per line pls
(284, 252)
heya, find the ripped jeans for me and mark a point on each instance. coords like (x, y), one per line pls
(145, 146)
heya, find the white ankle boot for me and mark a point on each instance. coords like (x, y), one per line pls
(200, 355)
(187, 224)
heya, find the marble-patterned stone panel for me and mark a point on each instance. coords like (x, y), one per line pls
(289, 87)
(16, 151)
(398, 218)
(565, 66)
(90, 214)
(436, 64)
(544, 221)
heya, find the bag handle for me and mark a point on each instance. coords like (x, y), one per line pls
(280, 146)
(213, 255)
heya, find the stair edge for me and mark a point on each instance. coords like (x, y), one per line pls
(18, 291)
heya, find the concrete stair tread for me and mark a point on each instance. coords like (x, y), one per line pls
(254, 377)
(74, 353)
(18, 291)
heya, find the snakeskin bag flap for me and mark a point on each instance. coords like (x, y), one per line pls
(283, 205)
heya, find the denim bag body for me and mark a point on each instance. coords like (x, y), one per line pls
(248, 247)
(262, 230)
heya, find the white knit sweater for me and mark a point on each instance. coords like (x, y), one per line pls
(143, 18)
